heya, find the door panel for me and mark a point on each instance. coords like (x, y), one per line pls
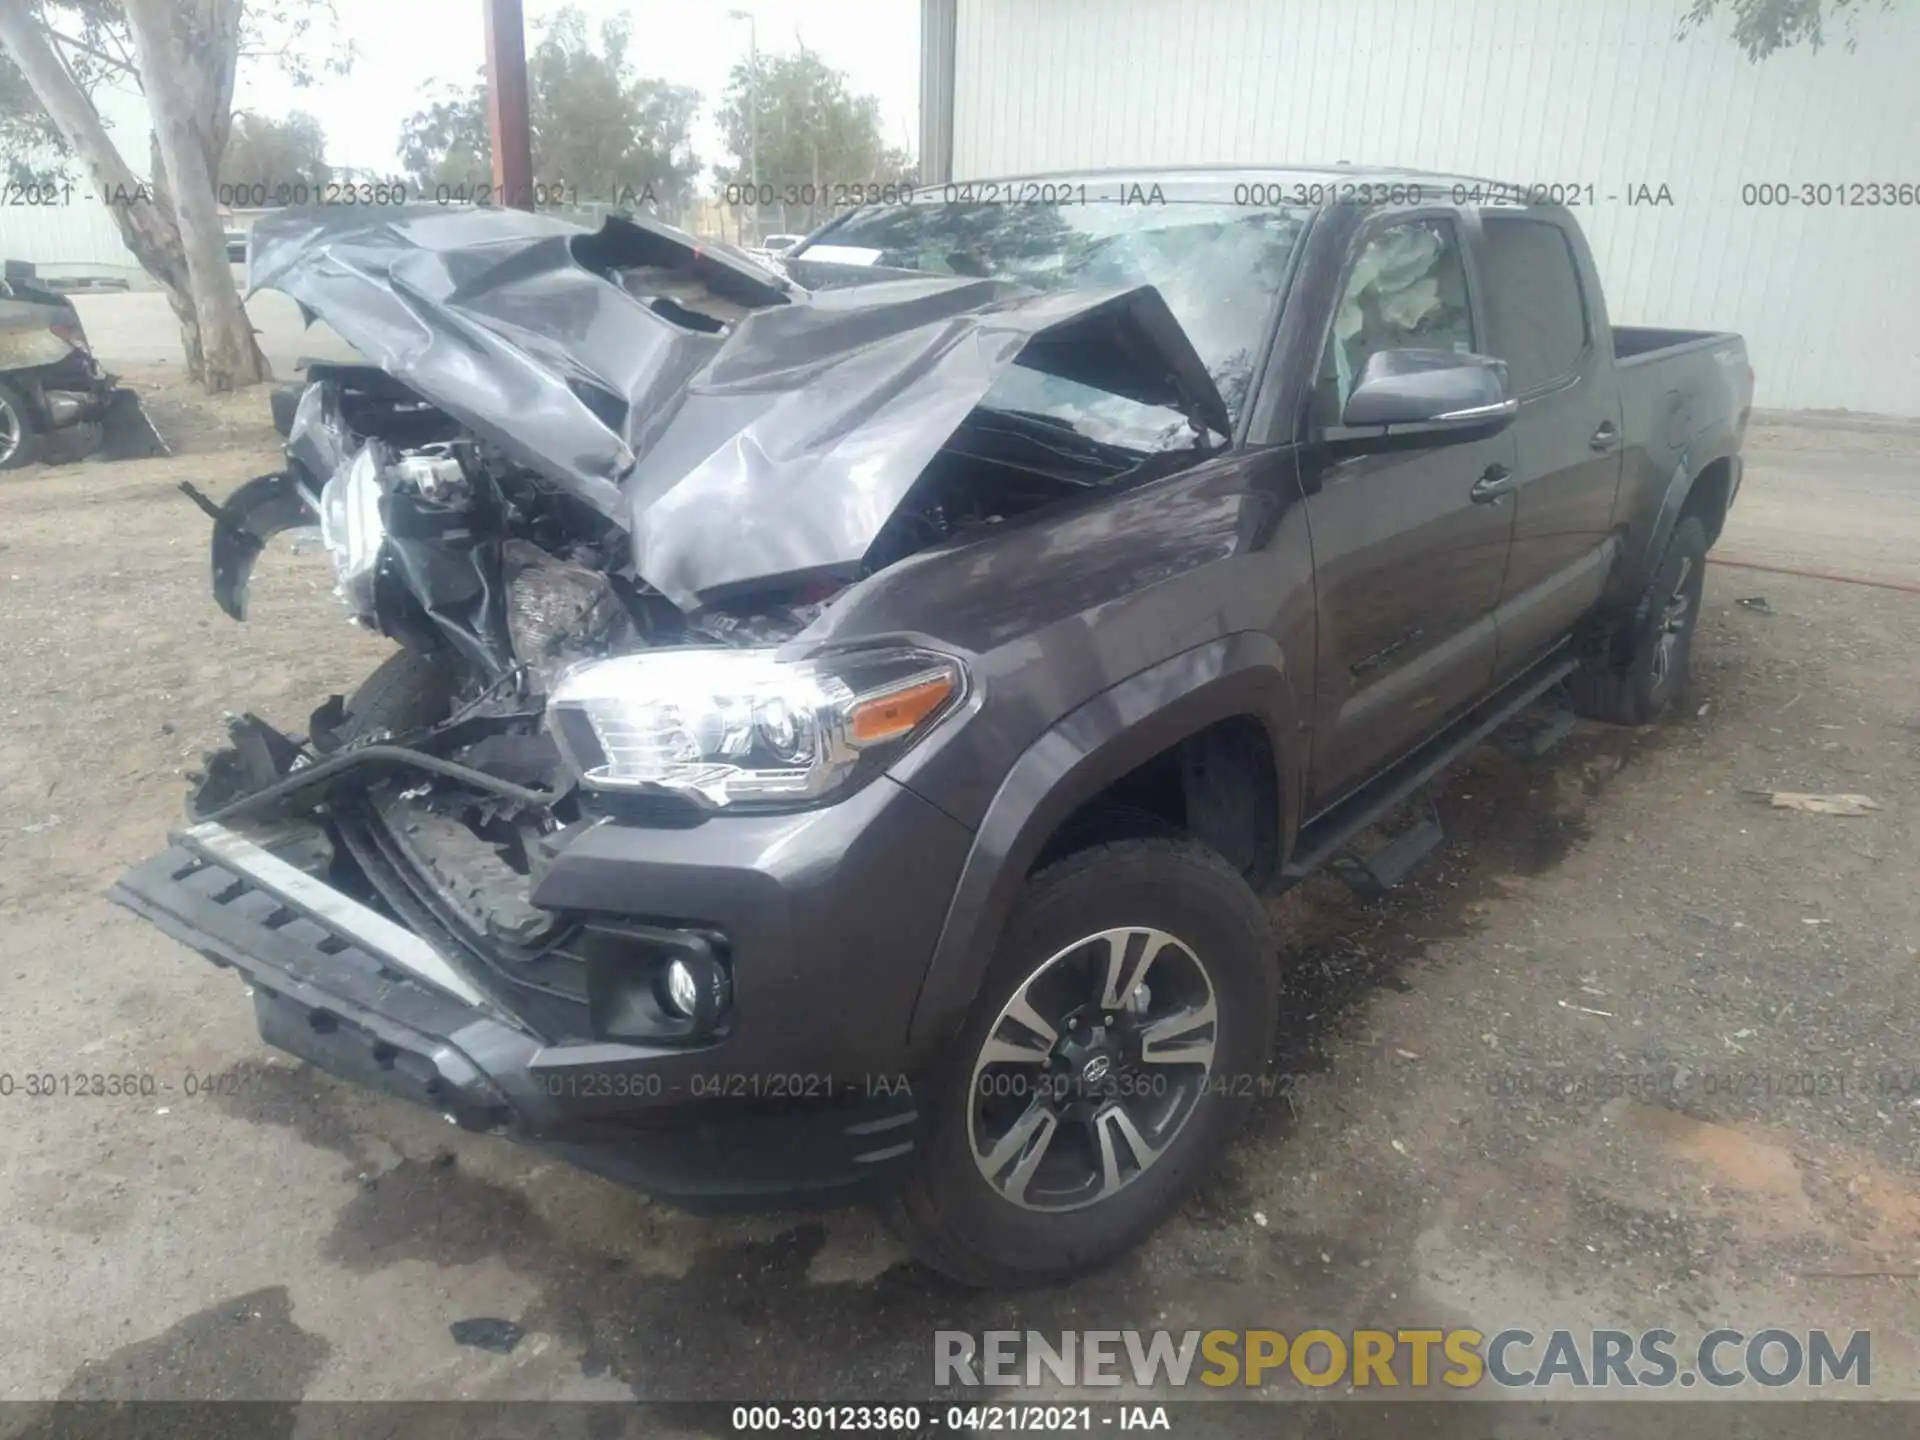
(1562, 545)
(1567, 435)
(1407, 570)
(1407, 565)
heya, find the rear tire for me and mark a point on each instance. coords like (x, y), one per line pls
(19, 440)
(1208, 983)
(1644, 672)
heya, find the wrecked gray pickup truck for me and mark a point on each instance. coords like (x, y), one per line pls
(584, 460)
(845, 711)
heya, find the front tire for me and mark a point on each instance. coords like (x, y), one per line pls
(1110, 1057)
(406, 691)
(1644, 674)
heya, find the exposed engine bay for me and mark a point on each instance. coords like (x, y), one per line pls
(593, 541)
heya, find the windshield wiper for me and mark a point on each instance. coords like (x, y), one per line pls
(1057, 437)
(1198, 437)
(1060, 428)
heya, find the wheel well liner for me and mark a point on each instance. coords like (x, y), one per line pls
(1219, 785)
(1213, 700)
(1710, 494)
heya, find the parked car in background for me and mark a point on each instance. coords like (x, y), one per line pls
(845, 715)
(772, 247)
(49, 380)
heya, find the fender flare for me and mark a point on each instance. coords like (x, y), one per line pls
(1087, 750)
(1691, 466)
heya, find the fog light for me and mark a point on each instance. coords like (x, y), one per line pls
(648, 984)
(683, 989)
(693, 988)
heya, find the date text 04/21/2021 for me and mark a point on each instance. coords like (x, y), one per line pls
(342, 194)
(919, 1420)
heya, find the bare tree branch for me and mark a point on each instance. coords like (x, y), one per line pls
(100, 55)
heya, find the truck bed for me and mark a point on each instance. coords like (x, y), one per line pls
(1637, 344)
(1678, 390)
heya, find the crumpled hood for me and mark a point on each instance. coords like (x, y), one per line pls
(774, 451)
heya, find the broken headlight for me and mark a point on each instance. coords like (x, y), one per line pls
(722, 727)
(351, 527)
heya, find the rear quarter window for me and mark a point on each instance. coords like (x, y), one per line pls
(1536, 311)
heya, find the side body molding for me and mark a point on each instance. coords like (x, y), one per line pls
(1113, 733)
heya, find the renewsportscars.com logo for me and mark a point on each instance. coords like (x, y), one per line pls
(1410, 1359)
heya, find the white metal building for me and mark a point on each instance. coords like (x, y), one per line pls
(1583, 93)
(78, 238)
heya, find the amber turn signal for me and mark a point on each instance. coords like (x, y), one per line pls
(896, 712)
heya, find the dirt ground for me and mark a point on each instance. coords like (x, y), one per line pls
(1634, 1050)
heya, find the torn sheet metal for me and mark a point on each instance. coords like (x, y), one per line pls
(769, 435)
(501, 319)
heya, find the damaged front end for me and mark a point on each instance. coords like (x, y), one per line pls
(598, 486)
(589, 475)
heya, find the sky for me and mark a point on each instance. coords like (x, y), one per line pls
(407, 47)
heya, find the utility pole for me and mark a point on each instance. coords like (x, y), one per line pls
(753, 119)
(507, 120)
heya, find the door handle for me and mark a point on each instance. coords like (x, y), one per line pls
(1496, 480)
(1606, 437)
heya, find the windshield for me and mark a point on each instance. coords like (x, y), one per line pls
(1219, 267)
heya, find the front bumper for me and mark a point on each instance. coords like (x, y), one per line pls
(340, 985)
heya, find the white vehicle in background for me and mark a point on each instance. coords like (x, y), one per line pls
(773, 247)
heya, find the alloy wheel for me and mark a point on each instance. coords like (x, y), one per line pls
(13, 429)
(1092, 1068)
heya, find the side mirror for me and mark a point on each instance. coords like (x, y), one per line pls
(1435, 395)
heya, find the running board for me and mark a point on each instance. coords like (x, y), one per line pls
(1536, 731)
(1327, 833)
(1371, 876)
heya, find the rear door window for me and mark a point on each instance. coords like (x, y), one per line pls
(1535, 310)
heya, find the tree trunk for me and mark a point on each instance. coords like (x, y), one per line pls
(142, 214)
(183, 311)
(215, 27)
(146, 231)
(173, 70)
(179, 294)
